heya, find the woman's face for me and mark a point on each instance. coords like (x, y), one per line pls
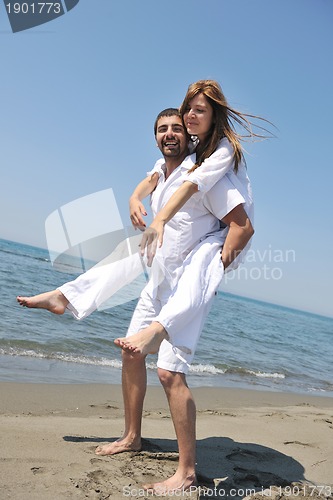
(198, 117)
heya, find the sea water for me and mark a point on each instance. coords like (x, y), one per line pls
(245, 343)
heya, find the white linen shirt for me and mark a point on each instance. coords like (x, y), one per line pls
(213, 168)
(196, 220)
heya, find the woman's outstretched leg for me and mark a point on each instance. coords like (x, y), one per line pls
(147, 341)
(54, 301)
(202, 273)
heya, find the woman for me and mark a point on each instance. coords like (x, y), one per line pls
(210, 122)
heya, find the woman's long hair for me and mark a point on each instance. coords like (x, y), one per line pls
(224, 120)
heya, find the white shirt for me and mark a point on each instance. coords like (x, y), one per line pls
(213, 168)
(199, 217)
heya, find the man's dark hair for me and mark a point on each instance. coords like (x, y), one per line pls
(166, 112)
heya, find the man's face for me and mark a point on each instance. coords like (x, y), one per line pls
(171, 137)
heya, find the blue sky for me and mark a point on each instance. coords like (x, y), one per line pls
(79, 96)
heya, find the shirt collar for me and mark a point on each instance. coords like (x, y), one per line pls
(185, 165)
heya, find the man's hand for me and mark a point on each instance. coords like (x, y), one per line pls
(152, 237)
(137, 210)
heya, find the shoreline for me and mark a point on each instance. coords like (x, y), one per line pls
(245, 438)
(31, 369)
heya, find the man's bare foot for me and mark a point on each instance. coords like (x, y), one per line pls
(172, 486)
(53, 301)
(147, 341)
(119, 446)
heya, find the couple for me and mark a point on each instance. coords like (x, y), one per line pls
(202, 206)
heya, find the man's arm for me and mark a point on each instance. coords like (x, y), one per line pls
(143, 189)
(239, 234)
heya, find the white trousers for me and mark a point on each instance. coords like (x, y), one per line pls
(202, 274)
(181, 310)
(92, 289)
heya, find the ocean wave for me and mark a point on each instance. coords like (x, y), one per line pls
(195, 369)
(58, 356)
(267, 375)
(213, 370)
(210, 369)
(260, 374)
(68, 358)
(28, 256)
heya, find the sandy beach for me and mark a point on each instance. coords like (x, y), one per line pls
(247, 442)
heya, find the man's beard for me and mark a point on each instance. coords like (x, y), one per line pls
(171, 153)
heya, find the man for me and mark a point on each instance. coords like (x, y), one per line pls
(200, 216)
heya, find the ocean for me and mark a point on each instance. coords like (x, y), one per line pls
(245, 343)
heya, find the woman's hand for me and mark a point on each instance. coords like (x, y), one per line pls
(152, 237)
(137, 210)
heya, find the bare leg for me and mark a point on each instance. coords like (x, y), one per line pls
(147, 341)
(134, 382)
(54, 301)
(183, 413)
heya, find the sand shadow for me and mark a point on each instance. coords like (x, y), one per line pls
(240, 466)
(222, 463)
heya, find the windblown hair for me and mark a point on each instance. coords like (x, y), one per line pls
(225, 120)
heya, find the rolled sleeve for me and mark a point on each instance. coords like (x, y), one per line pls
(223, 198)
(214, 167)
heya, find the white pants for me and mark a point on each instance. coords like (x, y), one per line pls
(182, 310)
(92, 289)
(202, 273)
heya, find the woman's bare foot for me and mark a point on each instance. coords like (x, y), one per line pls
(147, 341)
(119, 446)
(172, 486)
(53, 301)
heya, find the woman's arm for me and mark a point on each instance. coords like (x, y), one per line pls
(203, 178)
(142, 190)
(175, 203)
(153, 235)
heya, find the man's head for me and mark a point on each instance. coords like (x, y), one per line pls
(171, 136)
